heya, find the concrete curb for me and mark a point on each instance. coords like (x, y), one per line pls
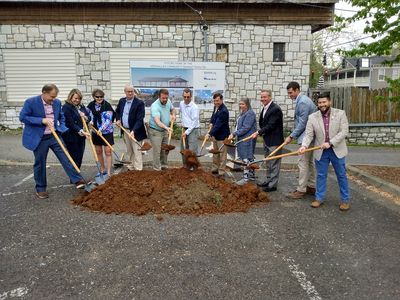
(375, 181)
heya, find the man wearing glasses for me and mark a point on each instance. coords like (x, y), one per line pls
(39, 114)
(130, 114)
(190, 121)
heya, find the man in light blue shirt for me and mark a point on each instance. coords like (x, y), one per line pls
(190, 116)
(161, 114)
(304, 107)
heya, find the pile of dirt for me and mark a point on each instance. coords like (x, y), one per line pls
(172, 191)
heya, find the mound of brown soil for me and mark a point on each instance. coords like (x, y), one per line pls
(173, 191)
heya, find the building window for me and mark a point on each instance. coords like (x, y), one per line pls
(222, 52)
(395, 73)
(279, 52)
(381, 75)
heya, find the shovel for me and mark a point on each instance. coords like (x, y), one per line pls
(99, 179)
(228, 143)
(252, 165)
(168, 146)
(118, 160)
(88, 186)
(204, 142)
(145, 147)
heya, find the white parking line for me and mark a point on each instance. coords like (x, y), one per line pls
(25, 179)
(294, 268)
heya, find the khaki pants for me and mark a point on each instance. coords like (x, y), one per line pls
(306, 171)
(219, 160)
(159, 156)
(133, 154)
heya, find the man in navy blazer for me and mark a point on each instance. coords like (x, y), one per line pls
(271, 129)
(304, 107)
(130, 114)
(219, 132)
(38, 114)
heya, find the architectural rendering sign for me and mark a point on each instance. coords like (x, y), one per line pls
(203, 78)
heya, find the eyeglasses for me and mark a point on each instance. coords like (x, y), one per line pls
(99, 97)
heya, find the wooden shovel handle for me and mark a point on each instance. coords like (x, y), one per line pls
(128, 133)
(291, 153)
(276, 150)
(170, 133)
(63, 148)
(244, 140)
(90, 139)
(184, 142)
(205, 137)
(102, 137)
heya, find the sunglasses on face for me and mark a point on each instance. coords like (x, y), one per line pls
(99, 97)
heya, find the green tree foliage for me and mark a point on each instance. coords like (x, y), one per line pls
(382, 22)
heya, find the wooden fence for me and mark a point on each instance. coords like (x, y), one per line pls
(361, 105)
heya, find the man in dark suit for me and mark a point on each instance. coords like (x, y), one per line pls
(130, 114)
(271, 129)
(219, 131)
(39, 113)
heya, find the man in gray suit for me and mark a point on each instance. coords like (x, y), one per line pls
(329, 128)
(304, 107)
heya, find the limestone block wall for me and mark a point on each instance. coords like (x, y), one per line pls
(369, 134)
(250, 66)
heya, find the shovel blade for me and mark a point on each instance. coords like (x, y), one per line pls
(90, 186)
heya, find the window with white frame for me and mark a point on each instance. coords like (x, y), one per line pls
(395, 73)
(381, 75)
(279, 52)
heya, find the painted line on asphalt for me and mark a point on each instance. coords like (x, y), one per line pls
(294, 268)
(18, 292)
(26, 178)
(26, 191)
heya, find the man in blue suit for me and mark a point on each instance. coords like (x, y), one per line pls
(219, 132)
(130, 114)
(39, 113)
(304, 107)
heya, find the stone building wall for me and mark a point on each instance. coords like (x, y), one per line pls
(250, 67)
(383, 134)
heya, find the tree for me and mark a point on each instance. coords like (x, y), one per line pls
(383, 24)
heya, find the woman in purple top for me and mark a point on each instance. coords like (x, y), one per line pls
(103, 116)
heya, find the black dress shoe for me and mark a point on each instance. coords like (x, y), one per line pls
(269, 189)
(263, 184)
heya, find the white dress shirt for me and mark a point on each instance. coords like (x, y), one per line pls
(189, 116)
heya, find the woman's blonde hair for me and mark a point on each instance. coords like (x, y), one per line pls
(71, 94)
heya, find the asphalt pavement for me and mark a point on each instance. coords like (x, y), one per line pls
(50, 249)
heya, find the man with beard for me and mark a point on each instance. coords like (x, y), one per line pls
(161, 114)
(329, 127)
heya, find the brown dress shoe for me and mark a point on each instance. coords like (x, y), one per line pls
(344, 206)
(42, 195)
(310, 191)
(296, 195)
(316, 204)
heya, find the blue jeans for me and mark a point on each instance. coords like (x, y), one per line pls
(339, 165)
(39, 168)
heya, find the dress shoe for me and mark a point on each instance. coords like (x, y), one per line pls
(310, 191)
(344, 206)
(269, 189)
(263, 184)
(296, 195)
(214, 171)
(316, 204)
(42, 195)
(80, 184)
